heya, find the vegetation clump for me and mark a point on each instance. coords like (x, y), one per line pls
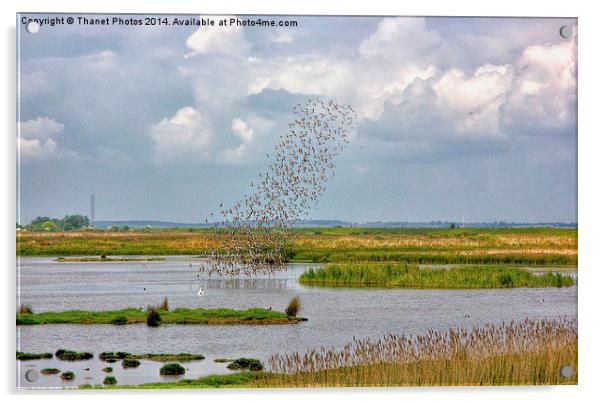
(50, 371)
(130, 363)
(107, 369)
(172, 369)
(411, 276)
(67, 376)
(33, 356)
(164, 305)
(24, 309)
(109, 380)
(251, 364)
(153, 318)
(68, 355)
(113, 355)
(293, 306)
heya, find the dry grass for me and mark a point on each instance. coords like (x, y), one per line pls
(525, 353)
(530, 246)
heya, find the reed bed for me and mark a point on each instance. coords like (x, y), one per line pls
(370, 274)
(515, 353)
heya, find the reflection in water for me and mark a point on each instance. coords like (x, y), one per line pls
(335, 315)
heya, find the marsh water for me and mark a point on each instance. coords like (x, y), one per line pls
(335, 316)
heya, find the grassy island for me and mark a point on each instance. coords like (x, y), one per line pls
(180, 316)
(410, 276)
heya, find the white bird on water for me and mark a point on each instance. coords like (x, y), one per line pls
(201, 291)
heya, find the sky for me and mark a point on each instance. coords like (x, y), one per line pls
(459, 118)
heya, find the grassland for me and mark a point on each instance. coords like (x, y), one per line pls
(410, 276)
(508, 246)
(523, 353)
(180, 316)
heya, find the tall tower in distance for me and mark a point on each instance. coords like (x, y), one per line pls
(92, 208)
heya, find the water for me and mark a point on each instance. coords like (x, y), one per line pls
(335, 315)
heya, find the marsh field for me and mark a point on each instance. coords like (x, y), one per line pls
(376, 307)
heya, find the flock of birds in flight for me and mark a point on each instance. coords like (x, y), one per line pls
(253, 234)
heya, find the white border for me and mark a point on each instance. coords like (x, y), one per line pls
(590, 24)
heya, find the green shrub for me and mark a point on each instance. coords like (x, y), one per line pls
(153, 318)
(293, 306)
(50, 371)
(251, 364)
(172, 369)
(68, 355)
(109, 380)
(130, 363)
(107, 369)
(67, 376)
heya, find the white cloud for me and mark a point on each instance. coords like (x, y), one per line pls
(36, 149)
(240, 128)
(40, 128)
(399, 38)
(37, 138)
(185, 134)
(228, 39)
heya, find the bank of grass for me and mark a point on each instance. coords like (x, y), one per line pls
(369, 274)
(516, 353)
(180, 316)
(518, 246)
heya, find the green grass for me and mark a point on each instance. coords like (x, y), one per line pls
(183, 316)
(241, 379)
(49, 371)
(327, 255)
(161, 357)
(33, 356)
(410, 276)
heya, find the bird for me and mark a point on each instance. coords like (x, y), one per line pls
(255, 229)
(201, 291)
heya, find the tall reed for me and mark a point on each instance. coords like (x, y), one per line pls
(528, 352)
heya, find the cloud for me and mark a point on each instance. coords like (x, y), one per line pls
(184, 134)
(36, 140)
(40, 128)
(36, 149)
(400, 38)
(228, 39)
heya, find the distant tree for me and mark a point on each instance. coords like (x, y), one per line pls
(452, 225)
(75, 222)
(51, 225)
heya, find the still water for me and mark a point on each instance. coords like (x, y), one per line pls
(335, 315)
